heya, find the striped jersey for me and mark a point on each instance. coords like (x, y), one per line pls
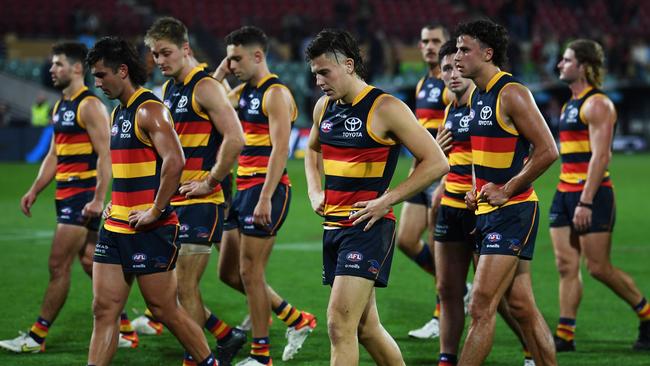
(76, 160)
(498, 151)
(430, 102)
(459, 178)
(199, 138)
(254, 159)
(358, 165)
(575, 148)
(136, 167)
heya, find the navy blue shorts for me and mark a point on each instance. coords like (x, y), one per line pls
(68, 211)
(350, 251)
(140, 253)
(424, 197)
(509, 230)
(201, 223)
(244, 204)
(454, 224)
(603, 213)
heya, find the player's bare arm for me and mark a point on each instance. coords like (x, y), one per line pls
(314, 162)
(519, 111)
(46, 173)
(95, 117)
(220, 74)
(211, 98)
(392, 120)
(155, 123)
(279, 107)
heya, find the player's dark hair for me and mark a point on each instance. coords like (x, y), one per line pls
(73, 51)
(590, 54)
(114, 52)
(436, 25)
(490, 35)
(336, 41)
(248, 36)
(448, 48)
(167, 28)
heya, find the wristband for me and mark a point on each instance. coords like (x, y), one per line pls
(157, 208)
(212, 181)
(586, 205)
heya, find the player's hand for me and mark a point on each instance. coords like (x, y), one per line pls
(582, 218)
(262, 212)
(26, 203)
(92, 209)
(139, 219)
(222, 70)
(370, 210)
(195, 188)
(470, 200)
(493, 195)
(107, 211)
(317, 201)
(444, 139)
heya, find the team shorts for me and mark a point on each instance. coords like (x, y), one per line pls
(350, 251)
(244, 204)
(454, 225)
(603, 213)
(68, 211)
(424, 197)
(201, 223)
(509, 230)
(144, 252)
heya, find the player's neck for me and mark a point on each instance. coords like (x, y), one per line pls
(261, 73)
(434, 71)
(356, 87)
(127, 93)
(485, 76)
(73, 88)
(578, 87)
(186, 70)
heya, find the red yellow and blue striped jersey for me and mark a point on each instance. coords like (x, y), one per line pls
(430, 102)
(575, 148)
(76, 159)
(358, 165)
(199, 138)
(254, 159)
(136, 167)
(459, 178)
(498, 150)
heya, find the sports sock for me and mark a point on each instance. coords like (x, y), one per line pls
(436, 312)
(643, 310)
(188, 360)
(219, 329)
(447, 359)
(527, 354)
(424, 259)
(566, 328)
(125, 325)
(289, 314)
(39, 330)
(209, 361)
(261, 350)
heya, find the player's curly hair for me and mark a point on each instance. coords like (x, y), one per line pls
(489, 34)
(114, 52)
(336, 41)
(590, 54)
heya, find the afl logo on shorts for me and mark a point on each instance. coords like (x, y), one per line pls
(326, 126)
(184, 228)
(493, 237)
(354, 257)
(139, 257)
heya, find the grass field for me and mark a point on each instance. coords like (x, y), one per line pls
(606, 325)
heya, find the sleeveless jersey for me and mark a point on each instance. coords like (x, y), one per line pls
(459, 178)
(199, 138)
(76, 160)
(358, 165)
(498, 151)
(136, 167)
(575, 149)
(430, 103)
(254, 159)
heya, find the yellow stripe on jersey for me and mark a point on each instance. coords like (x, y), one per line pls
(574, 178)
(74, 149)
(250, 170)
(215, 198)
(450, 202)
(122, 212)
(484, 208)
(257, 139)
(354, 169)
(457, 187)
(118, 229)
(134, 170)
(570, 147)
(76, 175)
(194, 140)
(460, 158)
(188, 175)
(430, 123)
(501, 160)
(339, 210)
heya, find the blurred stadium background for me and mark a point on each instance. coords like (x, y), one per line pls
(389, 31)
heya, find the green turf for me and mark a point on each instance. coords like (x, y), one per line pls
(606, 325)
